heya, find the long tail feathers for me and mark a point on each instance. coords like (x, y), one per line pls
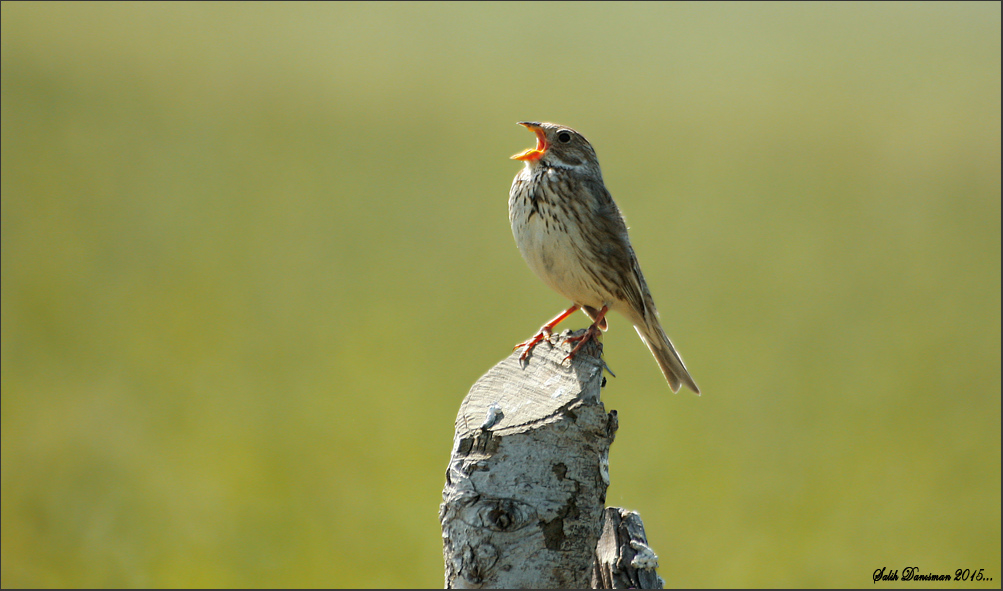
(668, 359)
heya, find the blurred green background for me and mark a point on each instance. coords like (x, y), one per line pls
(255, 255)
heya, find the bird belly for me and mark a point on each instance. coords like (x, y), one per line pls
(552, 253)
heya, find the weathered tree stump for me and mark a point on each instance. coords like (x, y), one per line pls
(526, 484)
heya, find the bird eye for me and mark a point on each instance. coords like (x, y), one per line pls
(564, 137)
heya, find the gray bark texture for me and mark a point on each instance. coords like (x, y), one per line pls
(526, 483)
(623, 558)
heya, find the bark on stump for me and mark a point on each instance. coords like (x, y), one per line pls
(623, 558)
(526, 484)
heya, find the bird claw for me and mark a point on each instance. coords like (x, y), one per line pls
(544, 334)
(591, 333)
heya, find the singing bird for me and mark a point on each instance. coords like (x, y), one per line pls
(574, 238)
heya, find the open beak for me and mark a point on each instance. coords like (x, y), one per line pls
(541, 143)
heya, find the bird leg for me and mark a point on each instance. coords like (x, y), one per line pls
(545, 331)
(591, 333)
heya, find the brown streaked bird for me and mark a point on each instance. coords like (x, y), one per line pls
(574, 238)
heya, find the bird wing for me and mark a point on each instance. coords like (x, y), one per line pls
(613, 245)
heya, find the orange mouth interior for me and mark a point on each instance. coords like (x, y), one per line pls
(541, 145)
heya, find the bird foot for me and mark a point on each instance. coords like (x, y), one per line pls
(544, 334)
(591, 333)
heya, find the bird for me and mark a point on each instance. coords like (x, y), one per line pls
(573, 236)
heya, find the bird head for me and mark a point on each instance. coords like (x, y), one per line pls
(559, 147)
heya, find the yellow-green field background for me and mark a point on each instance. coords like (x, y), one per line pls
(255, 255)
